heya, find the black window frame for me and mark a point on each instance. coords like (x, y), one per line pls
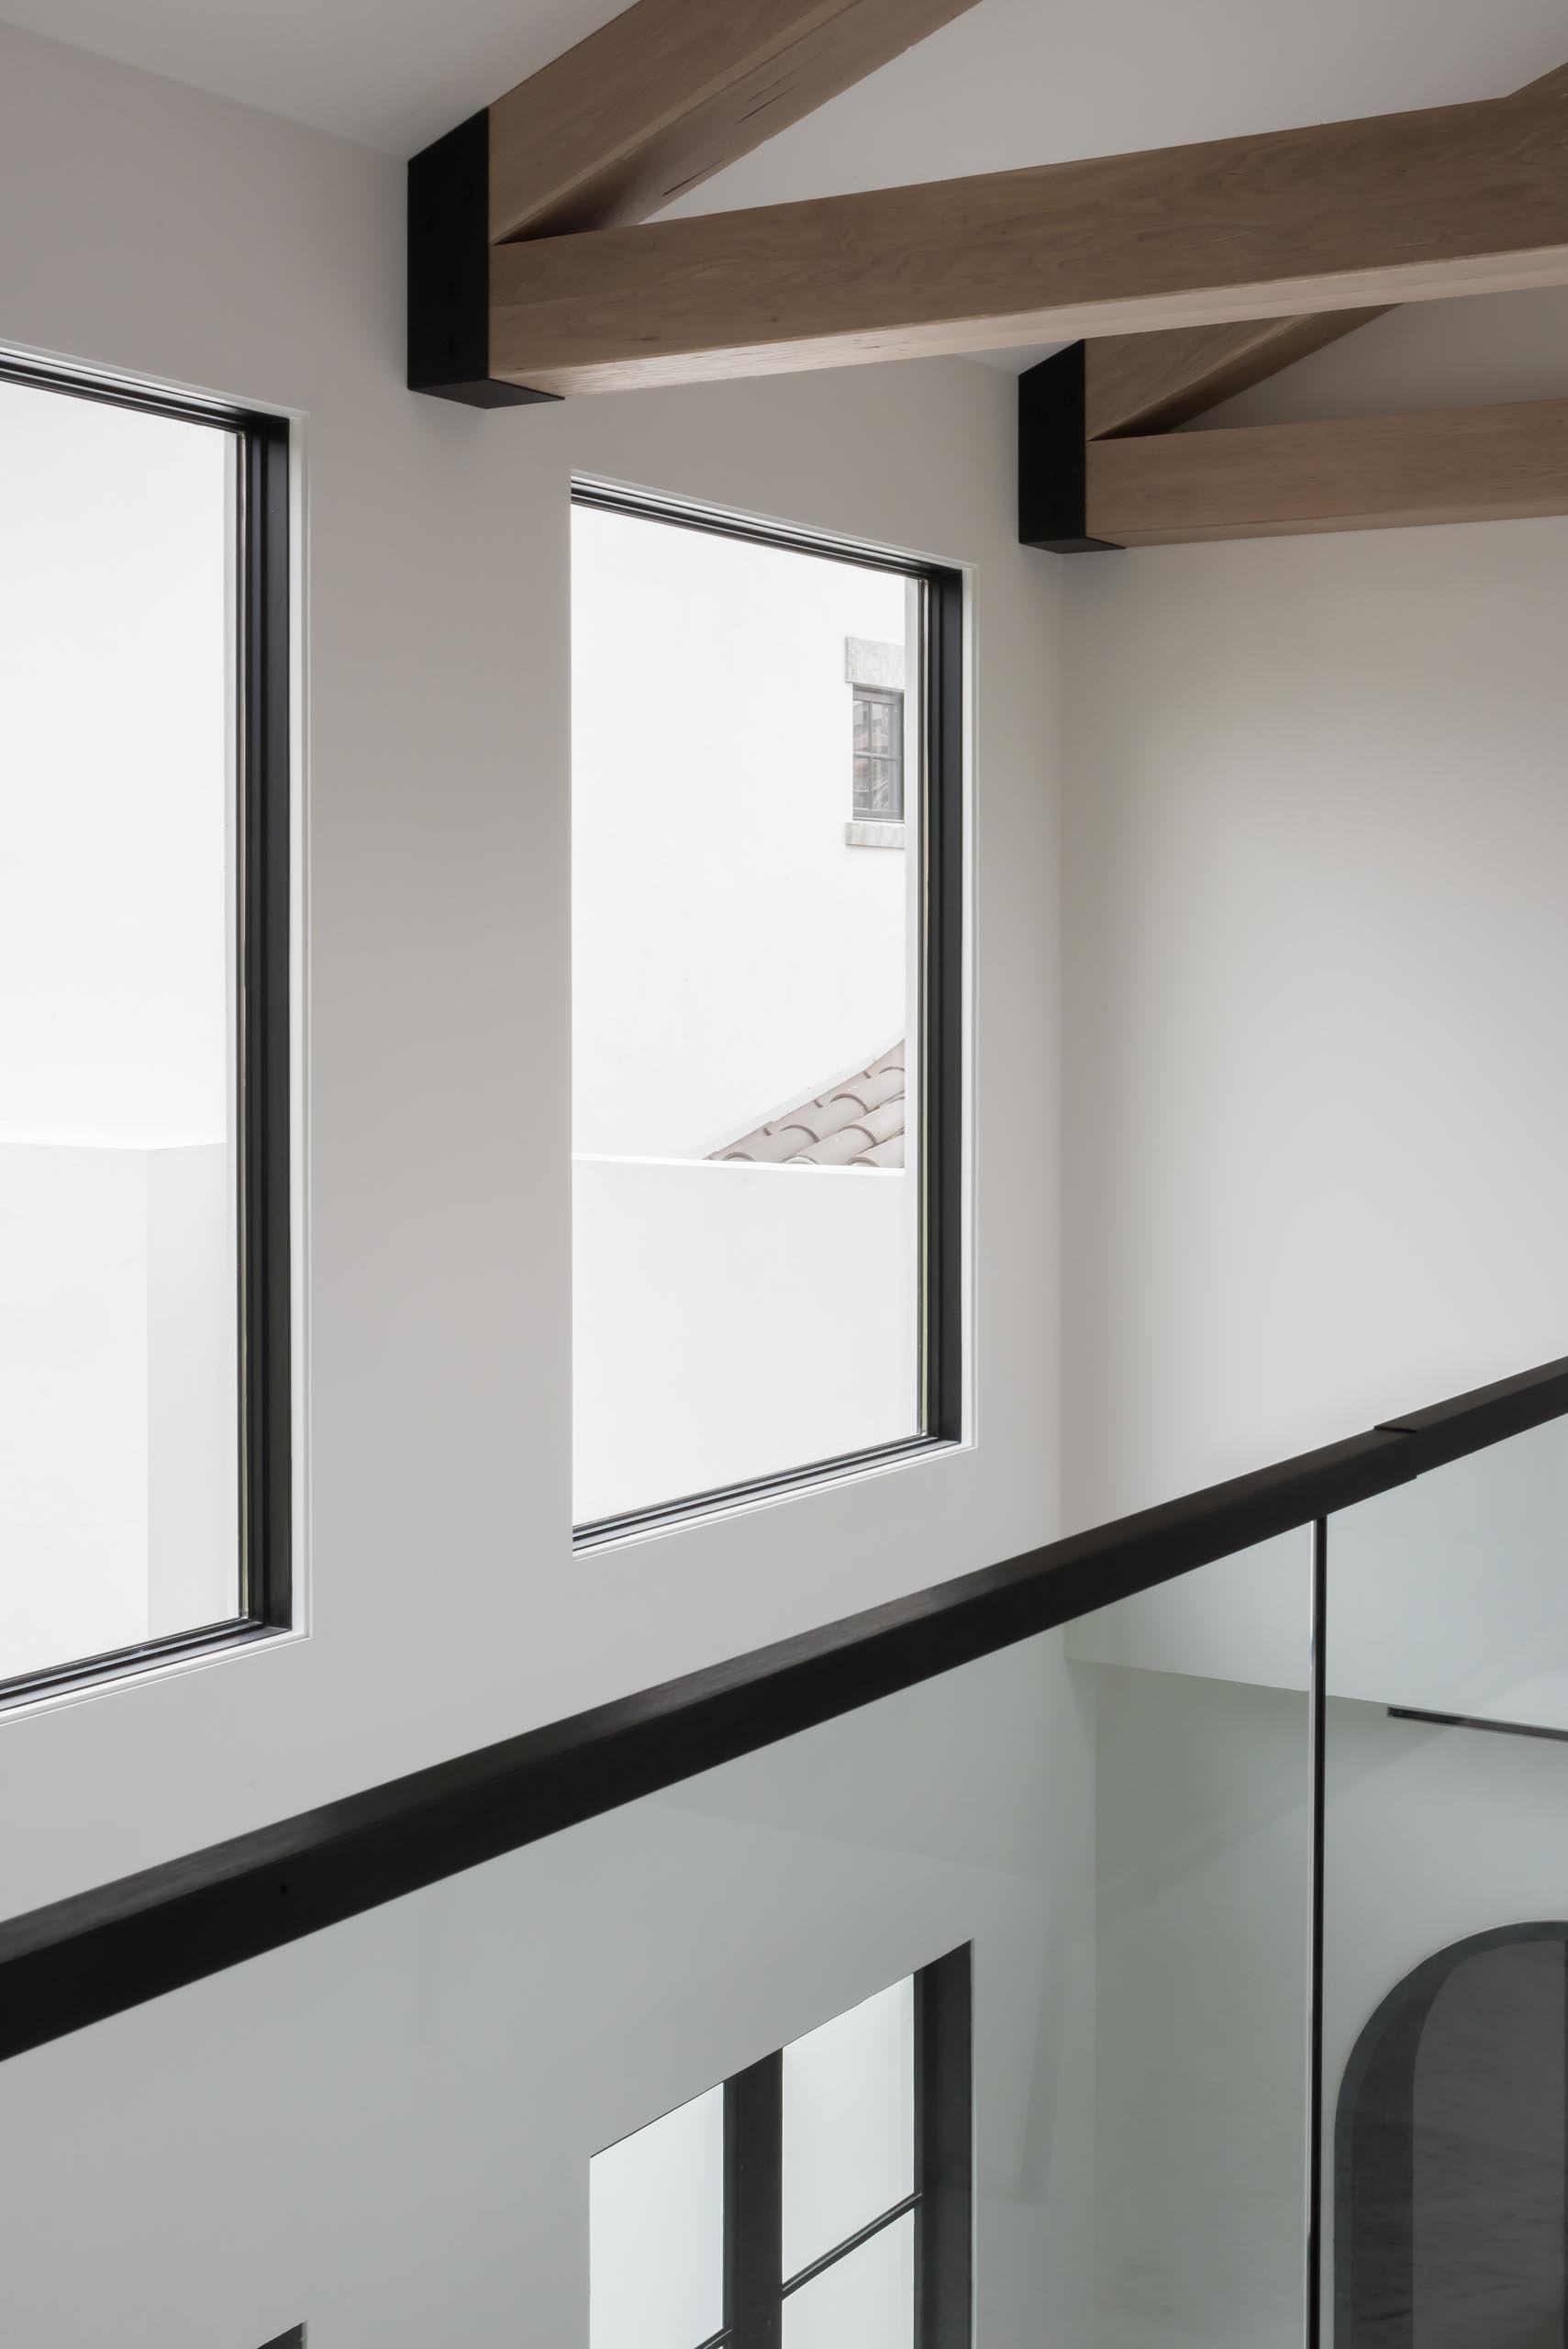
(889, 698)
(262, 747)
(938, 1096)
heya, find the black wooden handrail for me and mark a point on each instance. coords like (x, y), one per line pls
(101, 1952)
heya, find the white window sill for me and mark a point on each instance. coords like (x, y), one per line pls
(860, 834)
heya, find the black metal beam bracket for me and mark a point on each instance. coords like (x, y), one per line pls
(449, 273)
(1053, 456)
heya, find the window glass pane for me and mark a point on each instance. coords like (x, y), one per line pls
(864, 2302)
(876, 788)
(656, 2221)
(848, 2124)
(747, 1252)
(118, 1410)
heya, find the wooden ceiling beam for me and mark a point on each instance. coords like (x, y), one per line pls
(1147, 383)
(670, 91)
(661, 97)
(1410, 206)
(1475, 465)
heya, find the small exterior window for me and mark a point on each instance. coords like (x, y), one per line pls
(820, 2198)
(878, 755)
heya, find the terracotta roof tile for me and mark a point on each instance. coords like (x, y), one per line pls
(858, 1122)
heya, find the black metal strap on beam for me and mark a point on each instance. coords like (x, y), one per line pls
(1053, 456)
(94, 1955)
(449, 273)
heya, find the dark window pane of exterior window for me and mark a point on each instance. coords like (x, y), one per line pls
(878, 728)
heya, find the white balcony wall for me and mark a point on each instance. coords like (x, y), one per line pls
(733, 1320)
(118, 1397)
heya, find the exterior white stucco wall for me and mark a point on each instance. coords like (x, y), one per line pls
(118, 1397)
(732, 952)
(150, 228)
(736, 1321)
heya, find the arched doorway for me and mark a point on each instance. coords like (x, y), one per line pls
(1451, 2153)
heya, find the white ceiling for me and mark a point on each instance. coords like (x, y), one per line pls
(1014, 82)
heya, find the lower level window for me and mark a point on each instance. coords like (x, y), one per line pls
(143, 1050)
(819, 2199)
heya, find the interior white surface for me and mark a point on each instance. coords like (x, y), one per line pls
(1313, 957)
(446, 1609)
(1010, 83)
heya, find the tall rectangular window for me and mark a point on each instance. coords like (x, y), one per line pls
(144, 919)
(765, 1017)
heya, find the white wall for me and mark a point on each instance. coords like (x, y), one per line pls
(73, 1402)
(732, 953)
(735, 1321)
(1314, 960)
(118, 1402)
(206, 244)
(116, 814)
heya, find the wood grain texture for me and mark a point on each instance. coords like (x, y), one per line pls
(1147, 383)
(1400, 207)
(670, 91)
(1382, 472)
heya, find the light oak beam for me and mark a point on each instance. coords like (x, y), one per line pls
(1400, 207)
(1380, 473)
(1147, 383)
(670, 91)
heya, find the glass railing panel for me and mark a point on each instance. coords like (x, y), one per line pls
(1445, 1982)
(1199, 1695)
(1032, 1931)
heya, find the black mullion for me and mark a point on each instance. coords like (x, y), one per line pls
(944, 2153)
(264, 1146)
(940, 814)
(1318, 1708)
(852, 2242)
(753, 2205)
